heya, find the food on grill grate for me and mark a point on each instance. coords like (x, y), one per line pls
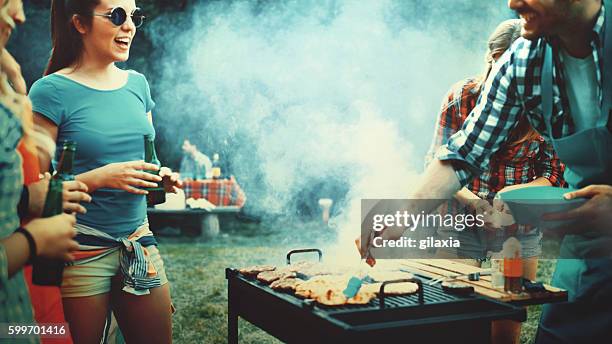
(403, 288)
(327, 290)
(317, 269)
(254, 270)
(271, 276)
(299, 266)
(330, 297)
(361, 298)
(335, 297)
(382, 276)
(286, 284)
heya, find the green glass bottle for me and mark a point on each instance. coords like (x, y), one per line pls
(157, 194)
(48, 272)
(66, 163)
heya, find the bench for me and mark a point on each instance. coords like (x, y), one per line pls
(203, 223)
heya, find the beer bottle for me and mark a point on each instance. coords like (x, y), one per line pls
(48, 272)
(157, 194)
(216, 167)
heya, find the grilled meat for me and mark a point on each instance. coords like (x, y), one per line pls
(271, 276)
(286, 284)
(254, 270)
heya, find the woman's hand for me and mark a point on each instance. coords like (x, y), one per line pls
(170, 179)
(128, 176)
(53, 236)
(73, 193)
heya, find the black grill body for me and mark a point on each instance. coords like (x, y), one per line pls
(440, 317)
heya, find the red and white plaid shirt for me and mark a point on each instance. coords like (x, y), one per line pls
(512, 164)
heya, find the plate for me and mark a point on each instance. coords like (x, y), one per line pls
(528, 204)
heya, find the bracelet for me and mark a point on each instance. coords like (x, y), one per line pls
(31, 243)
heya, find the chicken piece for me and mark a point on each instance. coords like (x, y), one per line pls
(401, 288)
(331, 297)
(255, 270)
(286, 284)
(361, 298)
(370, 288)
(271, 276)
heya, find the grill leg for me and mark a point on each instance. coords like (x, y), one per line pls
(232, 328)
(232, 320)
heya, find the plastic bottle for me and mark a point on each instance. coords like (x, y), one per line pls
(497, 270)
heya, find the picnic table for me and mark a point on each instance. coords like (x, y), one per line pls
(223, 196)
(435, 268)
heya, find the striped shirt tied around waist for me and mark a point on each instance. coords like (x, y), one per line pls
(137, 269)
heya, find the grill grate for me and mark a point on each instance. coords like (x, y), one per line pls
(433, 294)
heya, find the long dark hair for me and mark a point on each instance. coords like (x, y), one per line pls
(67, 41)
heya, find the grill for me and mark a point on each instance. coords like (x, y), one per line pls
(430, 315)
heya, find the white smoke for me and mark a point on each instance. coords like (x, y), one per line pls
(315, 90)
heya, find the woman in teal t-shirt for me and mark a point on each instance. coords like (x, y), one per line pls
(85, 98)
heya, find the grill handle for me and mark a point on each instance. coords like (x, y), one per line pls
(381, 293)
(303, 250)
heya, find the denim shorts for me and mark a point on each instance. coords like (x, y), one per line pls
(94, 278)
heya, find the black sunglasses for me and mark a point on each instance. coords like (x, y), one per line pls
(118, 16)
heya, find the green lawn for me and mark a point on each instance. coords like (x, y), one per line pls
(197, 275)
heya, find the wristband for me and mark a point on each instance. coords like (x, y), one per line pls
(31, 243)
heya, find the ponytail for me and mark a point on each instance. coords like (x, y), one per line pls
(66, 40)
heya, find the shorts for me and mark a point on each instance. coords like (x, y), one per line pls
(479, 244)
(94, 278)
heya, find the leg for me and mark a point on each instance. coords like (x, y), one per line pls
(144, 318)
(508, 331)
(86, 317)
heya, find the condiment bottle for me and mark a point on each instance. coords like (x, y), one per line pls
(513, 266)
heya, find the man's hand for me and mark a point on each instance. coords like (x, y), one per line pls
(594, 215)
(73, 193)
(54, 236)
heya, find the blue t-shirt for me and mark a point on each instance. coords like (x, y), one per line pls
(108, 126)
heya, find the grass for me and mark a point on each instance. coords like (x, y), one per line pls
(196, 271)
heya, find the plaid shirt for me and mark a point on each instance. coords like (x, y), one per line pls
(513, 90)
(511, 165)
(15, 306)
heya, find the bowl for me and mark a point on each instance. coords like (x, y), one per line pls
(528, 204)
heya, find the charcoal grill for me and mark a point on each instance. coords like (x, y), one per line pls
(430, 315)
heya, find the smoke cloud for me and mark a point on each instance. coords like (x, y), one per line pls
(311, 99)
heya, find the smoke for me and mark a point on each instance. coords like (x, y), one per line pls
(311, 99)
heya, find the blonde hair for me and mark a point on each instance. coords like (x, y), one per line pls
(499, 41)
